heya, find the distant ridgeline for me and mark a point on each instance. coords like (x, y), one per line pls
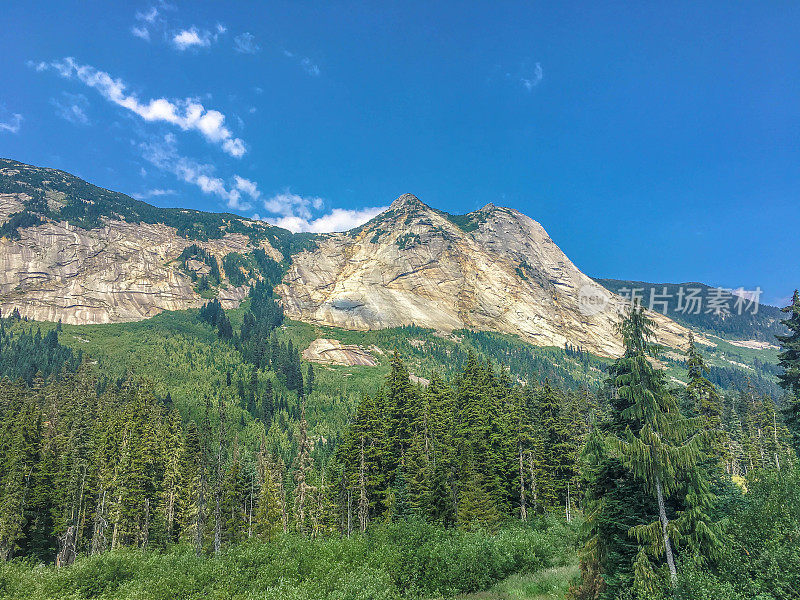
(57, 195)
(763, 326)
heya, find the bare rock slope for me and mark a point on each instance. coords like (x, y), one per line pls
(104, 268)
(494, 269)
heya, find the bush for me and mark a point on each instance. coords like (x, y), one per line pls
(402, 560)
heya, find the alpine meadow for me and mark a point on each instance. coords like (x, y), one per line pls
(239, 359)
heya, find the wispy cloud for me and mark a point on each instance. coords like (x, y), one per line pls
(288, 204)
(196, 38)
(141, 32)
(308, 65)
(10, 123)
(187, 114)
(246, 43)
(145, 20)
(534, 78)
(163, 154)
(339, 219)
(72, 108)
(148, 16)
(295, 213)
(154, 193)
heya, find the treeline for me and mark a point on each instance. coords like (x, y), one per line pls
(88, 465)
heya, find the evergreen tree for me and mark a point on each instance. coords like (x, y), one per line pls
(304, 464)
(659, 449)
(789, 360)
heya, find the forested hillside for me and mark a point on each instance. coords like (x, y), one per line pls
(203, 444)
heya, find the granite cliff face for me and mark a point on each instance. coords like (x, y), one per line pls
(51, 269)
(82, 254)
(494, 269)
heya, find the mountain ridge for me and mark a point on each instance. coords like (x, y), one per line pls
(84, 254)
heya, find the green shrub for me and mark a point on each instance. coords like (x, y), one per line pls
(402, 560)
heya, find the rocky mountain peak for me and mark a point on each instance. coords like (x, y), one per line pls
(407, 202)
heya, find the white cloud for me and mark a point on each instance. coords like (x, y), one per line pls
(246, 43)
(197, 38)
(149, 16)
(164, 156)
(534, 79)
(141, 32)
(187, 114)
(72, 108)
(13, 124)
(295, 214)
(339, 219)
(246, 186)
(288, 204)
(308, 65)
(146, 19)
(191, 37)
(155, 193)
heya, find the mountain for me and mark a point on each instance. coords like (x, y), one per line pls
(760, 322)
(75, 252)
(493, 269)
(79, 253)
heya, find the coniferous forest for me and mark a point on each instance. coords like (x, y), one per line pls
(638, 488)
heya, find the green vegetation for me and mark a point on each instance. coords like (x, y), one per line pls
(197, 454)
(403, 560)
(61, 196)
(26, 355)
(550, 584)
(10, 229)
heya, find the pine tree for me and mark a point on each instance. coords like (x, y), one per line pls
(233, 503)
(16, 479)
(704, 401)
(269, 512)
(304, 464)
(789, 360)
(659, 448)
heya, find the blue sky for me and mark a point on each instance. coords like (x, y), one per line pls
(652, 142)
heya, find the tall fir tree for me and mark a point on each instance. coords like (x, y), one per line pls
(789, 360)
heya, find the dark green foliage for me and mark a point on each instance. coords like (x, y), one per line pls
(789, 362)
(24, 354)
(17, 221)
(195, 252)
(85, 205)
(762, 557)
(460, 454)
(466, 223)
(643, 471)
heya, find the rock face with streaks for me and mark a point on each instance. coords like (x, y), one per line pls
(120, 272)
(83, 254)
(333, 352)
(106, 268)
(494, 269)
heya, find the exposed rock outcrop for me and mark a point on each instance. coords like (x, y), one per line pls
(333, 352)
(494, 269)
(119, 272)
